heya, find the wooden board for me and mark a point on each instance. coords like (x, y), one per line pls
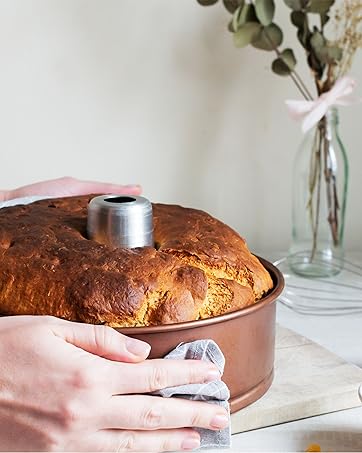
(309, 380)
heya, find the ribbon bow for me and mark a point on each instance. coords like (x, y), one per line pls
(310, 112)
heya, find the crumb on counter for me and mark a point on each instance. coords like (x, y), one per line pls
(313, 447)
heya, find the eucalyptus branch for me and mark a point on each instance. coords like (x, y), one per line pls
(293, 73)
(301, 88)
(310, 97)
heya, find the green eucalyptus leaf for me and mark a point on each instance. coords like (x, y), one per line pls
(297, 18)
(318, 42)
(322, 56)
(248, 14)
(329, 55)
(320, 6)
(315, 65)
(246, 33)
(334, 54)
(265, 10)
(295, 5)
(279, 67)
(236, 18)
(233, 5)
(325, 54)
(207, 2)
(243, 14)
(304, 35)
(231, 27)
(288, 57)
(269, 38)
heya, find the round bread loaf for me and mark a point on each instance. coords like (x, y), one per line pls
(199, 267)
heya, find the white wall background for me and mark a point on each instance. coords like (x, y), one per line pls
(153, 92)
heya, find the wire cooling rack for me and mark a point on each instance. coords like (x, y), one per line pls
(337, 295)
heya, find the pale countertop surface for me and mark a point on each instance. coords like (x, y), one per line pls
(338, 431)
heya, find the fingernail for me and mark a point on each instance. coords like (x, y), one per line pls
(190, 443)
(137, 347)
(219, 421)
(213, 375)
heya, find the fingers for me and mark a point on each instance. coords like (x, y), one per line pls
(141, 441)
(54, 187)
(4, 195)
(157, 374)
(153, 413)
(12, 322)
(67, 186)
(102, 341)
(78, 187)
(104, 188)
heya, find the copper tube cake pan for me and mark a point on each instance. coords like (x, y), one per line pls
(246, 338)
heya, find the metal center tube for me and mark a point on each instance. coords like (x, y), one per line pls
(120, 221)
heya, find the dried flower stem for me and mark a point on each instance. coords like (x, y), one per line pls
(331, 187)
(348, 29)
(321, 162)
(319, 174)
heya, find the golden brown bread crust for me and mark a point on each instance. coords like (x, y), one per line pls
(201, 267)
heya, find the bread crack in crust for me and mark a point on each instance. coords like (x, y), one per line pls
(201, 267)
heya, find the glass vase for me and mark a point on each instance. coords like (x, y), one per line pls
(320, 182)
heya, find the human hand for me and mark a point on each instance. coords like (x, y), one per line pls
(67, 186)
(66, 386)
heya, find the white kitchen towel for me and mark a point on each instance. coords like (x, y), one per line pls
(24, 200)
(215, 392)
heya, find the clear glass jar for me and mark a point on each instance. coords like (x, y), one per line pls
(320, 182)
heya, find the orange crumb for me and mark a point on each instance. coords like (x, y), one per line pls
(313, 447)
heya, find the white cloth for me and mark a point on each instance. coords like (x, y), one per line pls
(215, 392)
(23, 200)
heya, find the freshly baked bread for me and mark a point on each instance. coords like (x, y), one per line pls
(199, 268)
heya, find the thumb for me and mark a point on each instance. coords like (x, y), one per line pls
(102, 341)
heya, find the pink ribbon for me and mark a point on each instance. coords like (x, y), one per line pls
(310, 112)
